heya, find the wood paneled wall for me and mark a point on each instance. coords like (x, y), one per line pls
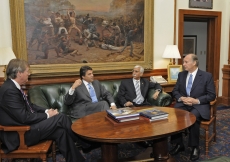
(51, 80)
(225, 98)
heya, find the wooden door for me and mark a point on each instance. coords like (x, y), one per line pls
(213, 20)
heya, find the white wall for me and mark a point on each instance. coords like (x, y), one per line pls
(163, 28)
(5, 29)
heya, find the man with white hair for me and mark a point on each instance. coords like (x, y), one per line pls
(133, 91)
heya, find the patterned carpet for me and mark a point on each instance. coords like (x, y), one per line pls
(220, 148)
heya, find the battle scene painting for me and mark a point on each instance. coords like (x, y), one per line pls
(84, 31)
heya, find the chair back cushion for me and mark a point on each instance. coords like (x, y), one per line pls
(112, 86)
(50, 96)
(53, 95)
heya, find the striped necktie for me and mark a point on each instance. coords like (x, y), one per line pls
(27, 102)
(139, 98)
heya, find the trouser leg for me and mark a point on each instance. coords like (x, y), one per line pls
(177, 139)
(194, 130)
(56, 128)
(97, 107)
(66, 145)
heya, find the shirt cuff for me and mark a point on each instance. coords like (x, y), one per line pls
(113, 104)
(46, 111)
(71, 91)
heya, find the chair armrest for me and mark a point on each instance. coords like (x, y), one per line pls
(163, 99)
(213, 102)
(21, 131)
(15, 128)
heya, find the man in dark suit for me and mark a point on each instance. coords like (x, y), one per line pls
(87, 96)
(133, 91)
(15, 109)
(193, 92)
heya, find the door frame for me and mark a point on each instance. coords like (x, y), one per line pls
(213, 19)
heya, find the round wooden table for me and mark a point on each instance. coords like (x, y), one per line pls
(96, 127)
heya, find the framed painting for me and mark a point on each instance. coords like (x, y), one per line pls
(190, 44)
(57, 37)
(201, 4)
(173, 71)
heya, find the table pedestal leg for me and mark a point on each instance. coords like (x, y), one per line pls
(160, 149)
(109, 152)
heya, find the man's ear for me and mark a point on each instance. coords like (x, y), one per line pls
(18, 74)
(141, 74)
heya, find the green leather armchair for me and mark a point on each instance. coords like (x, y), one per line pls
(52, 95)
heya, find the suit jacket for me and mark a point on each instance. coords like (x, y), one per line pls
(14, 111)
(80, 103)
(202, 89)
(127, 90)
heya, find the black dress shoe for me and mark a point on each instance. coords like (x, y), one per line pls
(178, 148)
(145, 144)
(195, 154)
(92, 147)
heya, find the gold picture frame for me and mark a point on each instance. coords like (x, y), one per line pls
(206, 4)
(173, 71)
(45, 70)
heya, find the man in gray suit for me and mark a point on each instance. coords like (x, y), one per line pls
(87, 96)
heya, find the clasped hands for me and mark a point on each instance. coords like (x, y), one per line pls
(189, 101)
(52, 112)
(155, 95)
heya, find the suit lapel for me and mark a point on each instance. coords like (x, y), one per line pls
(132, 86)
(184, 80)
(21, 95)
(197, 80)
(142, 85)
(84, 90)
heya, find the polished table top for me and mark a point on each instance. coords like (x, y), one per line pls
(96, 127)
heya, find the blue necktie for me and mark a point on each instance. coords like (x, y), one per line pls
(189, 85)
(92, 93)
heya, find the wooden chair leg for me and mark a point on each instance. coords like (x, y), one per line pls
(54, 151)
(206, 141)
(214, 130)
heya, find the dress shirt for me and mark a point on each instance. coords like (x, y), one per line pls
(193, 77)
